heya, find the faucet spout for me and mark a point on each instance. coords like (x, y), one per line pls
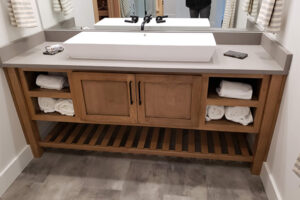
(147, 19)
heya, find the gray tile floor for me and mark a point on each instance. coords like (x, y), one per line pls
(78, 175)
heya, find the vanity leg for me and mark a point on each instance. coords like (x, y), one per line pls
(264, 138)
(29, 126)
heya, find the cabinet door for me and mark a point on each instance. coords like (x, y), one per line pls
(104, 97)
(169, 100)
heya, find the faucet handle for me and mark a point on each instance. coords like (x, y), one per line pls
(134, 19)
(159, 19)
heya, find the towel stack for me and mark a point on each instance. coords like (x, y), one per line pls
(48, 105)
(62, 106)
(236, 114)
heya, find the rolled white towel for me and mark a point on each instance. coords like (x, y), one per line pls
(47, 105)
(65, 107)
(239, 114)
(235, 90)
(50, 82)
(214, 112)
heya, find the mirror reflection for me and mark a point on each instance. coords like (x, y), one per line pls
(85, 13)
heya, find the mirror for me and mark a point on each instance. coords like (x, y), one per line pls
(226, 14)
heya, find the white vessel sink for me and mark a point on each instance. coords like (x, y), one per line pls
(170, 24)
(189, 47)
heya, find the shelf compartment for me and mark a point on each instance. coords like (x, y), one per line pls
(150, 141)
(39, 115)
(29, 80)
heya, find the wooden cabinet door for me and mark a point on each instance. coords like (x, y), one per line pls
(104, 97)
(169, 100)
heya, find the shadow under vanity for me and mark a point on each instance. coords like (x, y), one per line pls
(154, 108)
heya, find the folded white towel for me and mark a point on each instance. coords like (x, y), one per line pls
(65, 107)
(239, 114)
(50, 82)
(235, 90)
(47, 105)
(214, 112)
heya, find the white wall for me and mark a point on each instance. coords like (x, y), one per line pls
(9, 33)
(84, 13)
(14, 152)
(50, 18)
(286, 141)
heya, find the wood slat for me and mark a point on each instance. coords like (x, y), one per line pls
(119, 137)
(154, 139)
(143, 138)
(204, 146)
(131, 136)
(54, 131)
(191, 145)
(179, 134)
(152, 150)
(167, 138)
(96, 135)
(217, 143)
(243, 145)
(230, 145)
(85, 134)
(74, 133)
(107, 136)
(63, 133)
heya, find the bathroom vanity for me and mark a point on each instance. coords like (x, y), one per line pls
(154, 108)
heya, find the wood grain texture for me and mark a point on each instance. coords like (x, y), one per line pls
(263, 140)
(154, 148)
(30, 127)
(168, 100)
(105, 97)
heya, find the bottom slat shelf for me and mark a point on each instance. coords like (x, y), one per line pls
(151, 141)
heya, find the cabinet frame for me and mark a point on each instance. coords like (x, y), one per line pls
(274, 87)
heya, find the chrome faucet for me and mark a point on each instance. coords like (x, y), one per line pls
(147, 19)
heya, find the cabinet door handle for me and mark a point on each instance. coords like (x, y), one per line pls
(130, 92)
(139, 88)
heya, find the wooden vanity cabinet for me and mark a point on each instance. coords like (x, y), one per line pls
(161, 100)
(104, 97)
(168, 100)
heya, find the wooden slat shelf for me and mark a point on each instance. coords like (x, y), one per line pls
(40, 92)
(151, 141)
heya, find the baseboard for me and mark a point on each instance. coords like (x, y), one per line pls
(14, 168)
(269, 183)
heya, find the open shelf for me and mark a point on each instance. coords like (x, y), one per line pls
(40, 92)
(151, 141)
(214, 99)
(55, 116)
(35, 91)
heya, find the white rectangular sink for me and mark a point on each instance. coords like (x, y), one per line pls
(188, 47)
(170, 24)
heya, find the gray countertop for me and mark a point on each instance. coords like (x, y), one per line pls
(258, 62)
